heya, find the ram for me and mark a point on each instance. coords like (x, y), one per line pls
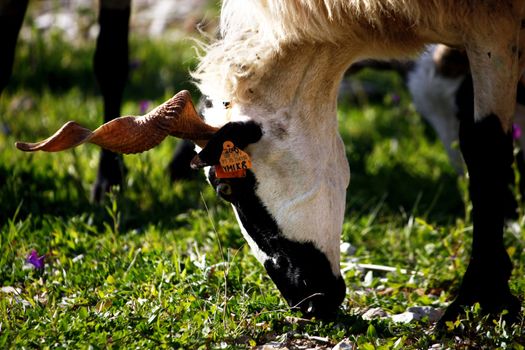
(272, 82)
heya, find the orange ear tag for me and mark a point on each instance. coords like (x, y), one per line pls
(233, 162)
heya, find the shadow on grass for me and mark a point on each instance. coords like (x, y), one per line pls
(292, 333)
(401, 191)
(39, 194)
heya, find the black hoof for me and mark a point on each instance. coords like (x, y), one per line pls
(111, 173)
(507, 307)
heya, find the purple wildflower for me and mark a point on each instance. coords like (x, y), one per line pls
(516, 131)
(144, 106)
(6, 130)
(395, 99)
(35, 260)
(134, 64)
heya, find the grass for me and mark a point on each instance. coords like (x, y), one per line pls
(164, 265)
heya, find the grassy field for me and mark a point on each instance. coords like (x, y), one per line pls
(163, 265)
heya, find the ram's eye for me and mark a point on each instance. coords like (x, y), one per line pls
(208, 103)
(224, 190)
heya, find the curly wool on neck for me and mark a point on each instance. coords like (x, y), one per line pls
(255, 32)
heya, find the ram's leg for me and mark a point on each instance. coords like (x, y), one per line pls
(11, 17)
(111, 65)
(486, 144)
(179, 166)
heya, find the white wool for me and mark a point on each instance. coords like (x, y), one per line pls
(254, 32)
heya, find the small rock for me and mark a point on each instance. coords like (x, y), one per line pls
(375, 312)
(433, 314)
(274, 345)
(348, 248)
(417, 313)
(344, 344)
(405, 317)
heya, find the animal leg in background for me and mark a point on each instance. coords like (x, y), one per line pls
(111, 66)
(11, 17)
(486, 145)
(449, 65)
(179, 167)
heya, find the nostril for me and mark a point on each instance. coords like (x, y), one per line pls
(311, 308)
(320, 306)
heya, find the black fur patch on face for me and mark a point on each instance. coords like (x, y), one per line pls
(301, 272)
(240, 133)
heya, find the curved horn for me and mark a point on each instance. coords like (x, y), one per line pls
(176, 117)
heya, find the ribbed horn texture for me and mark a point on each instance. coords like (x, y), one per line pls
(176, 117)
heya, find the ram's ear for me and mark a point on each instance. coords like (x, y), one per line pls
(241, 134)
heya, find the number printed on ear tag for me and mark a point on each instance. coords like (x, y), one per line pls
(233, 162)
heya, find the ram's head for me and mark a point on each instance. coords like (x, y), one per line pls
(290, 241)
